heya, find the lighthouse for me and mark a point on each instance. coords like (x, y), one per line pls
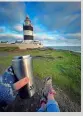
(27, 30)
(29, 41)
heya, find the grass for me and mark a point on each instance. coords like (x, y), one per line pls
(8, 49)
(63, 66)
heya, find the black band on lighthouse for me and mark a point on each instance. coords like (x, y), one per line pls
(28, 37)
(28, 28)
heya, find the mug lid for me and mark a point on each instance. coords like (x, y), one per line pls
(20, 57)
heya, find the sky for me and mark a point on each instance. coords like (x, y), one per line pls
(54, 23)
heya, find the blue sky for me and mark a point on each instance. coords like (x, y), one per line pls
(55, 23)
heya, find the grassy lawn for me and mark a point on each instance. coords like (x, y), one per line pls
(63, 66)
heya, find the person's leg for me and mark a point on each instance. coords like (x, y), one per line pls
(42, 108)
(52, 105)
(43, 105)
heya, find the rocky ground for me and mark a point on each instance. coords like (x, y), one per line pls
(33, 104)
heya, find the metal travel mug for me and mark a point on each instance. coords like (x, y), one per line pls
(22, 66)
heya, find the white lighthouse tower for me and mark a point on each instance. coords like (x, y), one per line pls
(27, 30)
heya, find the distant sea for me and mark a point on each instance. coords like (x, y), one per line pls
(70, 48)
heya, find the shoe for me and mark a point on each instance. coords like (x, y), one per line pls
(48, 87)
(43, 100)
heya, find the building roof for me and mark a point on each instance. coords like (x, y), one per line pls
(27, 19)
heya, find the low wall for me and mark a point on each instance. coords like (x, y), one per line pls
(21, 46)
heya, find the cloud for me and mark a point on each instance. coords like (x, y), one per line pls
(12, 12)
(2, 29)
(74, 34)
(10, 37)
(59, 15)
(18, 28)
(59, 40)
(43, 36)
(38, 27)
(70, 42)
(70, 18)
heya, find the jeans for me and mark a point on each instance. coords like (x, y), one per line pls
(51, 106)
